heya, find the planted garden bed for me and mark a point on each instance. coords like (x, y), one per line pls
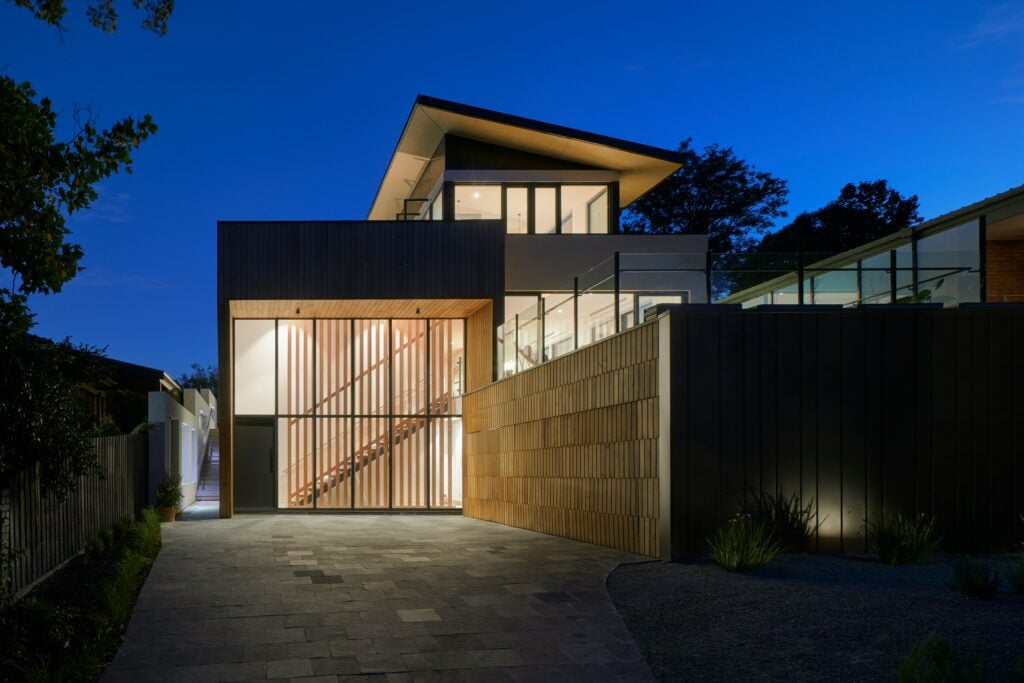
(815, 618)
(69, 627)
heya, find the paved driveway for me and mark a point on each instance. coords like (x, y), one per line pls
(387, 597)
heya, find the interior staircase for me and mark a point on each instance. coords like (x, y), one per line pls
(209, 475)
(365, 455)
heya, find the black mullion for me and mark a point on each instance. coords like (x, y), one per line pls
(391, 411)
(531, 208)
(277, 389)
(352, 410)
(316, 449)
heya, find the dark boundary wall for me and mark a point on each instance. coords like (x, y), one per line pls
(46, 532)
(910, 407)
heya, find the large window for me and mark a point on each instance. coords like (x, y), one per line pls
(542, 209)
(367, 412)
(517, 210)
(584, 209)
(477, 202)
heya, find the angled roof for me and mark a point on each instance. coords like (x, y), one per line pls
(640, 167)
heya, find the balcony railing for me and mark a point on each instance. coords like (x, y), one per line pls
(613, 295)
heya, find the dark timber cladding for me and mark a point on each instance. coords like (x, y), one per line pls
(908, 407)
(361, 260)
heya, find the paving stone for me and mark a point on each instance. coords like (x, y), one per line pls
(375, 597)
(335, 665)
(289, 668)
(415, 615)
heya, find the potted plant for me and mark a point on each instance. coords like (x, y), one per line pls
(168, 497)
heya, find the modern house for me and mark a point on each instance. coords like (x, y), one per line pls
(488, 341)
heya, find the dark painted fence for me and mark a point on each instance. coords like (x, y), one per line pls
(908, 407)
(46, 532)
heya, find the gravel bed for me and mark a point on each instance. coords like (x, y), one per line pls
(808, 618)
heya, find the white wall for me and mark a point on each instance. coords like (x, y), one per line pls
(181, 438)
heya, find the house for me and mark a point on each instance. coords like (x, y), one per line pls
(488, 341)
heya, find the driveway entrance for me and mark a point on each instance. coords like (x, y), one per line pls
(401, 597)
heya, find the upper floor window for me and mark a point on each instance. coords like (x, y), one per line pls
(477, 202)
(538, 208)
(584, 209)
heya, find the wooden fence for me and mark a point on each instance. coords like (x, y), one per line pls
(46, 533)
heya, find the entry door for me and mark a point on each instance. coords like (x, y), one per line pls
(254, 463)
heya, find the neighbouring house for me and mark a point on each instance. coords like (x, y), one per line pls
(488, 341)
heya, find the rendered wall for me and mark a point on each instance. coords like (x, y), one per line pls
(570, 448)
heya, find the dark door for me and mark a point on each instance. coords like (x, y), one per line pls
(254, 463)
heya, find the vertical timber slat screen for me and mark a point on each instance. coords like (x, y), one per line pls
(570, 448)
(47, 532)
(909, 407)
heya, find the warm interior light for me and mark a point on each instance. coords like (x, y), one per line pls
(476, 195)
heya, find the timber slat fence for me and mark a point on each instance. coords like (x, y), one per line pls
(45, 533)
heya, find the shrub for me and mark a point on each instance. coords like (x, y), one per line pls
(935, 659)
(790, 522)
(168, 495)
(119, 591)
(975, 579)
(743, 543)
(899, 539)
(149, 531)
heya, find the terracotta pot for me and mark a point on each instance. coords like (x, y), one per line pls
(167, 514)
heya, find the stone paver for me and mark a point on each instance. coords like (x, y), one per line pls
(385, 597)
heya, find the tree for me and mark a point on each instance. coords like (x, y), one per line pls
(200, 377)
(42, 181)
(860, 214)
(713, 193)
(101, 13)
(42, 415)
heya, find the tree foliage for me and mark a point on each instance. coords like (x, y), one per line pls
(42, 181)
(102, 14)
(713, 193)
(200, 377)
(860, 214)
(42, 415)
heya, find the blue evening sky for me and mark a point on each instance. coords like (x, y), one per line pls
(281, 110)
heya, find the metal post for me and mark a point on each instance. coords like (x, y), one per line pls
(575, 313)
(540, 327)
(913, 260)
(615, 264)
(516, 318)
(892, 276)
(860, 282)
(800, 276)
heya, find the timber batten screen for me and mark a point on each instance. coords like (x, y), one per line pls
(368, 412)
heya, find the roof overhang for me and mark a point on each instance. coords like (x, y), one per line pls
(640, 167)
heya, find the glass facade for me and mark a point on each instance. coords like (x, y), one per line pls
(934, 267)
(367, 412)
(532, 208)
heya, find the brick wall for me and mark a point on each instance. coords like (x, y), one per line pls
(1004, 270)
(570, 448)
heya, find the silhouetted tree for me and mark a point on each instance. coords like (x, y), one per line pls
(714, 193)
(101, 13)
(862, 213)
(200, 377)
